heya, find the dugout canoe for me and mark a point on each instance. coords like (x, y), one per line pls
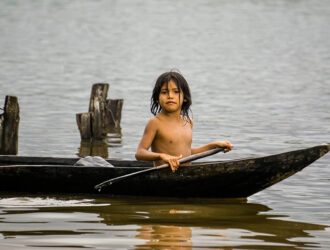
(222, 179)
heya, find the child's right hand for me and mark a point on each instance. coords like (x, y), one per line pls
(173, 161)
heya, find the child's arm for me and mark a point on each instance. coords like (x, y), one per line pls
(143, 154)
(217, 144)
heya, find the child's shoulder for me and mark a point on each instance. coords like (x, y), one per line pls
(153, 122)
(152, 126)
(154, 119)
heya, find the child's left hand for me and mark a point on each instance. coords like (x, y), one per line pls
(225, 144)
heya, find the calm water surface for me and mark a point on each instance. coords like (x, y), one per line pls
(103, 222)
(259, 73)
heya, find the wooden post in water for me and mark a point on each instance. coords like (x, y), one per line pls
(97, 108)
(103, 115)
(84, 125)
(114, 108)
(9, 123)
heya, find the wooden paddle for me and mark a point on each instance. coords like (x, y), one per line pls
(183, 160)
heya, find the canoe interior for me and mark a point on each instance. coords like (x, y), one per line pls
(32, 160)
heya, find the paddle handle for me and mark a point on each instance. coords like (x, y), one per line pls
(181, 161)
(200, 155)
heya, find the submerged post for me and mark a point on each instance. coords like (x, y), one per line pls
(114, 108)
(102, 117)
(84, 125)
(9, 123)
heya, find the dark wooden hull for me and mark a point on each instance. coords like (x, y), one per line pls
(223, 179)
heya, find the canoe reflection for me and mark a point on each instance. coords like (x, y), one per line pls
(171, 222)
(146, 223)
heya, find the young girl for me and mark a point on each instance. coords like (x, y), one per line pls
(169, 132)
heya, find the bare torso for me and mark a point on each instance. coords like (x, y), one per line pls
(173, 137)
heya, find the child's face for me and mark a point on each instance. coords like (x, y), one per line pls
(170, 97)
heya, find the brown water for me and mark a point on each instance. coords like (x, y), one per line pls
(103, 223)
(259, 73)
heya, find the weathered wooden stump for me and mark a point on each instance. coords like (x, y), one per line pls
(103, 115)
(97, 108)
(114, 108)
(9, 123)
(84, 125)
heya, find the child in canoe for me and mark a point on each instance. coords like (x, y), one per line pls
(169, 132)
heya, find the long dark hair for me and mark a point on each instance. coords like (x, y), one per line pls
(181, 83)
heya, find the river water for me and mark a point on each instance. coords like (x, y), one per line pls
(259, 73)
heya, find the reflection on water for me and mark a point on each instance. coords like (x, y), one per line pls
(114, 137)
(93, 148)
(144, 223)
(101, 148)
(171, 237)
